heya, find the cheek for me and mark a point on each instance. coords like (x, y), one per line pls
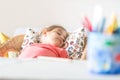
(52, 36)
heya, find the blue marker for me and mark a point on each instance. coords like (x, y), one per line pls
(117, 31)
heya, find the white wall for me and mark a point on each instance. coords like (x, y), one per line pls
(39, 13)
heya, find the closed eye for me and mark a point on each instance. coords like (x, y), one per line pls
(58, 33)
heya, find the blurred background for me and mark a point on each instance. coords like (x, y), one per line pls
(16, 14)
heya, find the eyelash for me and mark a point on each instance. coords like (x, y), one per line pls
(58, 33)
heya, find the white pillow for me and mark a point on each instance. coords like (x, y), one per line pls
(29, 37)
(76, 42)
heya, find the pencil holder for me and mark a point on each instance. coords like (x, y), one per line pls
(103, 53)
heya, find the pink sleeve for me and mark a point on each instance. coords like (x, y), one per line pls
(29, 52)
(64, 54)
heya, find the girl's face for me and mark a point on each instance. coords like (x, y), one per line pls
(55, 37)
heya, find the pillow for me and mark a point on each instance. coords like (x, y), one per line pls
(76, 43)
(29, 38)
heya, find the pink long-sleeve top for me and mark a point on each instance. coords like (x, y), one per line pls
(35, 50)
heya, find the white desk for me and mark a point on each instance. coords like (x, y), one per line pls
(48, 69)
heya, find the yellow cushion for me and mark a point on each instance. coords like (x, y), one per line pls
(3, 38)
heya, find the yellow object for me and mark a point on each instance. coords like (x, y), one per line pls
(106, 66)
(6, 55)
(3, 38)
(113, 25)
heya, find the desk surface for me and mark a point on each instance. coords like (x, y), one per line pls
(48, 68)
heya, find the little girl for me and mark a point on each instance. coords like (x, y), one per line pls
(51, 44)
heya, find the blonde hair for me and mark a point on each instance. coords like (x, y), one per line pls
(52, 27)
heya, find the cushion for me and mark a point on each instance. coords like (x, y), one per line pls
(29, 38)
(3, 38)
(13, 44)
(76, 43)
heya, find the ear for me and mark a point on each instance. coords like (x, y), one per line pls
(44, 32)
